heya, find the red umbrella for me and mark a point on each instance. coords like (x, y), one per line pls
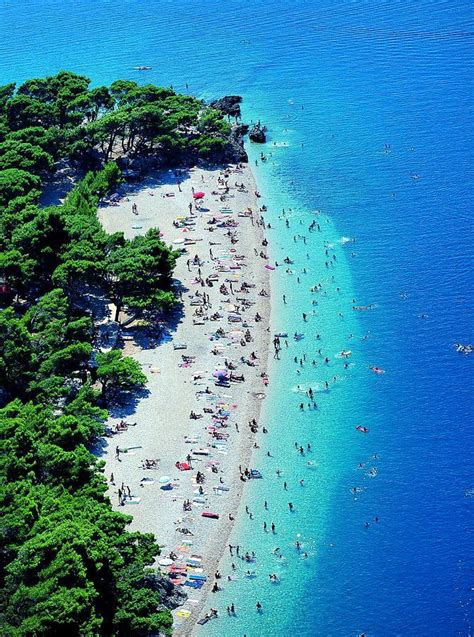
(198, 195)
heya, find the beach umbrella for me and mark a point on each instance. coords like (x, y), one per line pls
(165, 562)
(199, 195)
(165, 479)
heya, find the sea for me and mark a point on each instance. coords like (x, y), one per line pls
(368, 105)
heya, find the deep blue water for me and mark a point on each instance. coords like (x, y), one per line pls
(335, 82)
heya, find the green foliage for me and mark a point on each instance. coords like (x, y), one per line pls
(50, 140)
(17, 183)
(77, 571)
(15, 353)
(118, 371)
(6, 93)
(69, 564)
(141, 272)
(16, 154)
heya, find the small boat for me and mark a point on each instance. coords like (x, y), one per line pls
(364, 430)
(377, 370)
(281, 335)
(209, 514)
(142, 68)
(298, 337)
(254, 474)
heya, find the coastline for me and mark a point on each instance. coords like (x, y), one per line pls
(160, 200)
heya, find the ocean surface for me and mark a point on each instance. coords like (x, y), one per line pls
(369, 110)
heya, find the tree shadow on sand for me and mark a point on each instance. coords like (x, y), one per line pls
(159, 329)
(121, 406)
(153, 179)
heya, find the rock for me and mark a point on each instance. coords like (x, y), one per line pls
(257, 134)
(230, 105)
(238, 151)
(171, 596)
(133, 167)
(239, 130)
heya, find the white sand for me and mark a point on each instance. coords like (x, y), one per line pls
(163, 417)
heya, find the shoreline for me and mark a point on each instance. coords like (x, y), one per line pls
(254, 408)
(156, 511)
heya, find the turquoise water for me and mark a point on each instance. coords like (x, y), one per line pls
(335, 82)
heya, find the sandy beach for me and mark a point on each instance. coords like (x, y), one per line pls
(185, 448)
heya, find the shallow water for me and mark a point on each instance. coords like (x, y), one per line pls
(335, 81)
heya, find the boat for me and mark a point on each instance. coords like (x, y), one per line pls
(377, 370)
(298, 337)
(281, 335)
(209, 514)
(254, 474)
(364, 430)
(142, 68)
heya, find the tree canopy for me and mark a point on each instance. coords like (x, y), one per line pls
(69, 564)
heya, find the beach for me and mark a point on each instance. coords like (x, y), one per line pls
(185, 447)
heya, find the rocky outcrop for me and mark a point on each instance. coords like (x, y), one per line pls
(133, 167)
(236, 142)
(230, 105)
(171, 596)
(257, 134)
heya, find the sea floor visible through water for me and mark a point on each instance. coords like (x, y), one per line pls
(368, 106)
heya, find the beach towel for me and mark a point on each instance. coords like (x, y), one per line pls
(194, 583)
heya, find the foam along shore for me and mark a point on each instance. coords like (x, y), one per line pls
(186, 447)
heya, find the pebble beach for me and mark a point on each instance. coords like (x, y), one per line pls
(185, 447)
